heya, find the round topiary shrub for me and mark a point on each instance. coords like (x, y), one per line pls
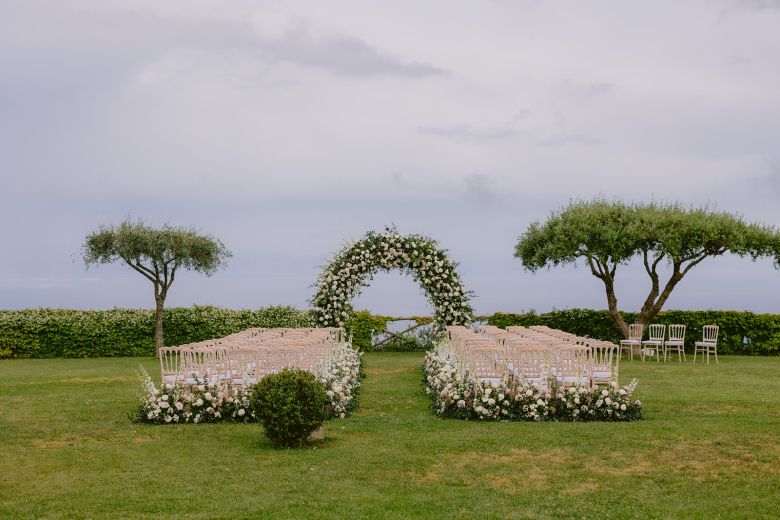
(290, 405)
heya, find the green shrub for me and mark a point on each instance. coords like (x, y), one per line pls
(420, 340)
(362, 327)
(740, 332)
(290, 405)
(48, 333)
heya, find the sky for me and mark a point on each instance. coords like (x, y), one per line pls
(288, 129)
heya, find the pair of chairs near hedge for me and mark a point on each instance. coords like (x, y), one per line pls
(660, 345)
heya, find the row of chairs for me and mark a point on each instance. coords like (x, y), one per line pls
(660, 345)
(245, 357)
(533, 356)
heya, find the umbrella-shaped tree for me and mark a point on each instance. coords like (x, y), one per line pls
(607, 234)
(157, 254)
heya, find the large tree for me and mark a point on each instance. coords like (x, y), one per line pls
(607, 234)
(156, 253)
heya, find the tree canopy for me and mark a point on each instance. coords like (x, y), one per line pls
(156, 253)
(608, 234)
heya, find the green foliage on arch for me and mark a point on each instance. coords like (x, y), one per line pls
(415, 255)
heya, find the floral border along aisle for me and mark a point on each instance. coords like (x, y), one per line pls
(456, 393)
(420, 257)
(340, 375)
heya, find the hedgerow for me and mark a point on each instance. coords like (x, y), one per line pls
(740, 332)
(48, 333)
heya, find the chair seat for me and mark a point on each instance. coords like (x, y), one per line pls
(655, 342)
(490, 379)
(630, 342)
(705, 344)
(573, 379)
(602, 374)
(675, 343)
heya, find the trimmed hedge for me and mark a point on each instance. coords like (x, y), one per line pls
(47, 333)
(740, 332)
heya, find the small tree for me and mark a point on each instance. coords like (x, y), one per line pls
(608, 234)
(157, 254)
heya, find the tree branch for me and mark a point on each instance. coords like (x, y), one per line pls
(597, 273)
(613, 270)
(693, 263)
(647, 263)
(141, 269)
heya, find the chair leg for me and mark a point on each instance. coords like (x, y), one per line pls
(716, 355)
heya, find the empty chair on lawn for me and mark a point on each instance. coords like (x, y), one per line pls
(487, 363)
(676, 342)
(656, 333)
(709, 343)
(572, 365)
(606, 363)
(170, 365)
(634, 341)
(531, 364)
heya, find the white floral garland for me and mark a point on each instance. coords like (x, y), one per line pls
(350, 270)
(340, 375)
(457, 393)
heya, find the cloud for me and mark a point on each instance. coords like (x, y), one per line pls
(587, 89)
(294, 40)
(760, 5)
(285, 128)
(480, 188)
(467, 133)
(563, 139)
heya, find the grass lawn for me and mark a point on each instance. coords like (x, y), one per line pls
(709, 447)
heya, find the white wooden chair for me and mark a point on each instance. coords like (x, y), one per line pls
(656, 333)
(675, 343)
(572, 365)
(170, 365)
(531, 364)
(634, 341)
(486, 363)
(606, 363)
(709, 343)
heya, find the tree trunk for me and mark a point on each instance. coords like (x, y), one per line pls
(651, 308)
(613, 309)
(158, 324)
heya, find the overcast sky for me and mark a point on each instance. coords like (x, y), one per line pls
(288, 128)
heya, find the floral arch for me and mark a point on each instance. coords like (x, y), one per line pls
(420, 257)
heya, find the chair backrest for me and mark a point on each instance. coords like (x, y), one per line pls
(170, 361)
(635, 331)
(676, 332)
(657, 331)
(710, 333)
(487, 361)
(530, 362)
(603, 355)
(573, 360)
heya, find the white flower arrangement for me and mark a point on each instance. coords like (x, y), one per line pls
(174, 403)
(457, 393)
(343, 278)
(340, 373)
